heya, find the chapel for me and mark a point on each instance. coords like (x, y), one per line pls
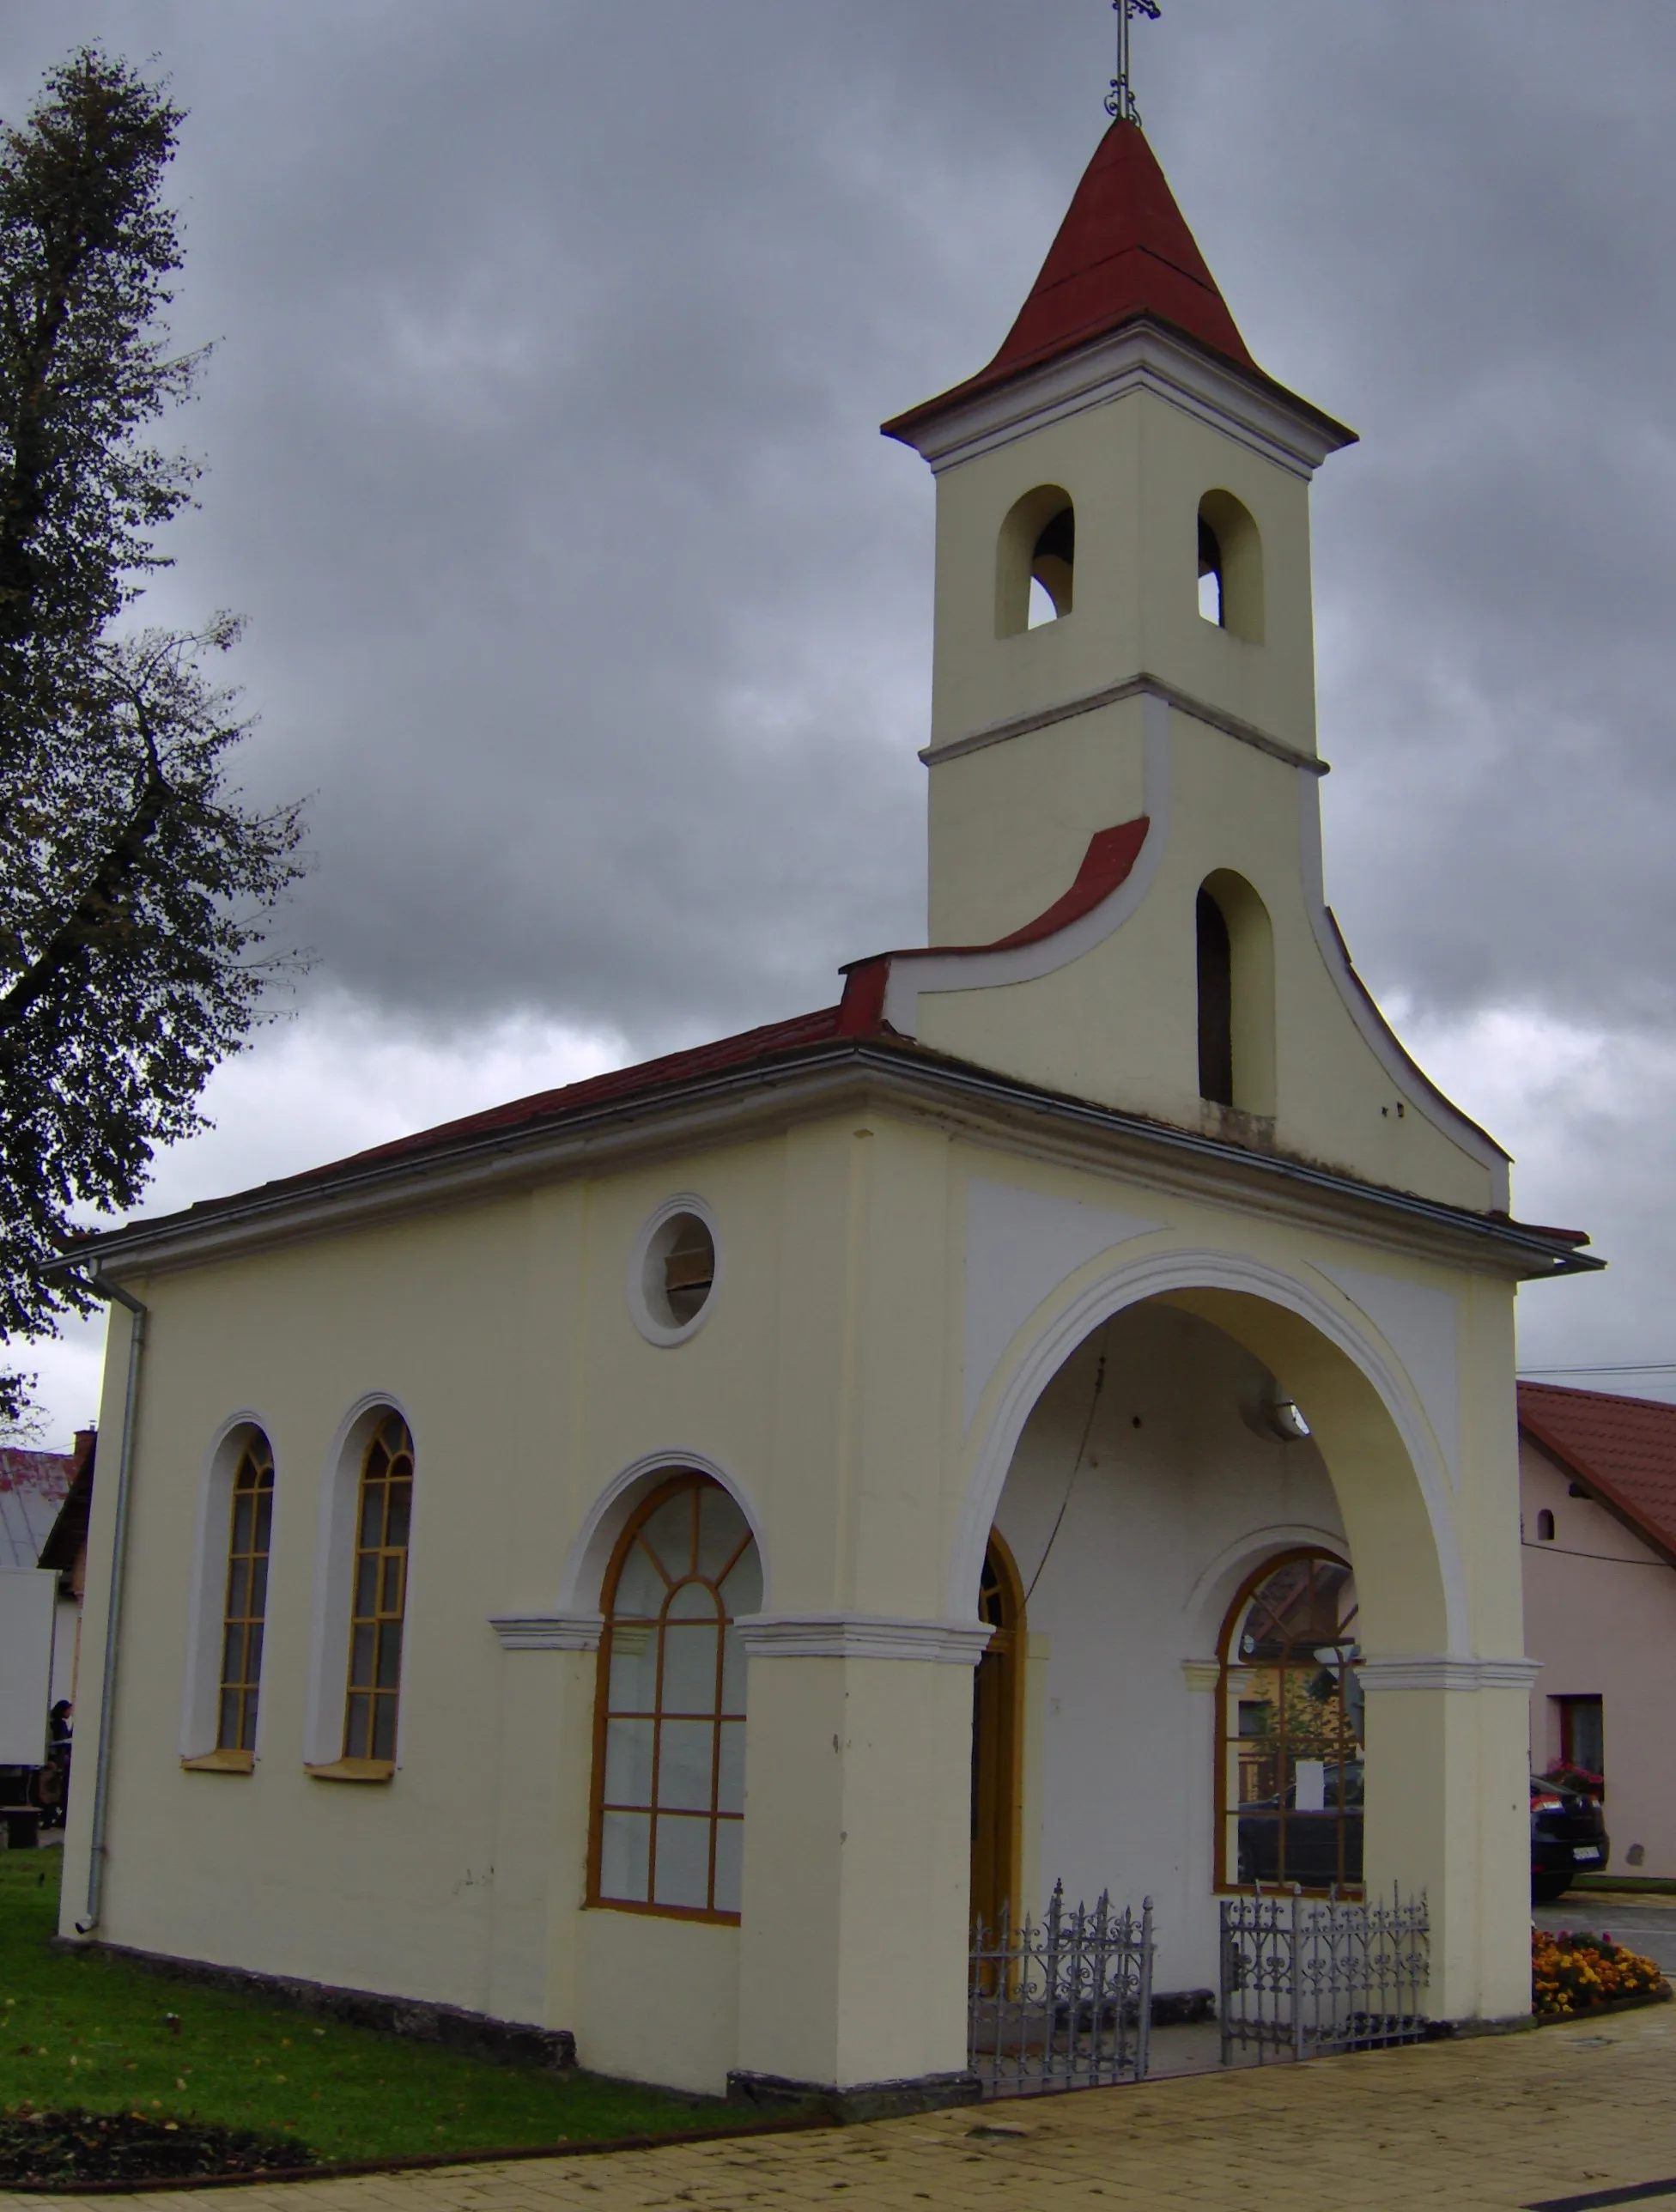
(657, 1562)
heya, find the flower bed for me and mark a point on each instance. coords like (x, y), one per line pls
(1577, 1973)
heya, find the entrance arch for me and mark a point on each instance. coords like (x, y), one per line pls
(1387, 1471)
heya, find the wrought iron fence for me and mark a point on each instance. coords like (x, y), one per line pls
(1062, 2003)
(1302, 1976)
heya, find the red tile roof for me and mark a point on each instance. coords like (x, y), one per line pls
(1124, 251)
(1623, 1449)
(1111, 856)
(749, 1049)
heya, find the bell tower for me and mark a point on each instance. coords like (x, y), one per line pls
(1125, 898)
(1122, 501)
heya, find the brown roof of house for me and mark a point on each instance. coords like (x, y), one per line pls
(1623, 1450)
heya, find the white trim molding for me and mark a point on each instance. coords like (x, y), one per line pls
(1202, 1674)
(1410, 1080)
(862, 1636)
(1446, 1671)
(582, 1583)
(646, 1257)
(1129, 1283)
(548, 1631)
(1260, 415)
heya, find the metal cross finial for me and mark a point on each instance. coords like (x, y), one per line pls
(1120, 99)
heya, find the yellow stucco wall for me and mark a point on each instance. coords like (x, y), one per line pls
(829, 1383)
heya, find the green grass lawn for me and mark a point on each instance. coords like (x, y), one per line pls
(80, 2028)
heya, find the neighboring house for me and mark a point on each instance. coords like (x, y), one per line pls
(39, 1617)
(42, 1495)
(853, 1474)
(65, 1551)
(1597, 1476)
(33, 1484)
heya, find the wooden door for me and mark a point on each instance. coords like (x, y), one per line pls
(996, 1742)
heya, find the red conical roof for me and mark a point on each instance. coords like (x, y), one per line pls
(1123, 251)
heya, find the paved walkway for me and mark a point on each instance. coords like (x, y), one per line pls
(1505, 2122)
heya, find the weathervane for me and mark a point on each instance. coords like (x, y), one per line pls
(1120, 99)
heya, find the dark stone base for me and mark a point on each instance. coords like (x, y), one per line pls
(867, 2100)
(1182, 2008)
(506, 2041)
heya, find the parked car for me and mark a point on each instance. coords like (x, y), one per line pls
(1320, 1849)
(1568, 1837)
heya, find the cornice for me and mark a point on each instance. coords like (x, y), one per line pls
(863, 1635)
(548, 1631)
(838, 1076)
(1141, 357)
(1446, 1671)
(1112, 694)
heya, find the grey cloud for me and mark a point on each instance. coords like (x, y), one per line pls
(589, 602)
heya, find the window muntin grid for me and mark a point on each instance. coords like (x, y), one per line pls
(1290, 1784)
(244, 1610)
(378, 1605)
(669, 1760)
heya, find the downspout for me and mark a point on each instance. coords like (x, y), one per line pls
(113, 1608)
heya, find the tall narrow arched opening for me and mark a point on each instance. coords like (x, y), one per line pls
(1216, 1001)
(1035, 561)
(1230, 567)
(998, 1706)
(1234, 960)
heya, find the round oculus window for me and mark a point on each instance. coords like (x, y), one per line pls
(674, 1277)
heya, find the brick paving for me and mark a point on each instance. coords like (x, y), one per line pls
(1503, 2122)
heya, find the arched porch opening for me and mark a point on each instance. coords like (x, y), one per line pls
(1147, 1468)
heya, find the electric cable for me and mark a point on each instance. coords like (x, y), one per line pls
(1076, 1468)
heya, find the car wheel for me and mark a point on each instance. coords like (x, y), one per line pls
(1549, 1889)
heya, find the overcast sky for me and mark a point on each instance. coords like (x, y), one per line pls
(552, 337)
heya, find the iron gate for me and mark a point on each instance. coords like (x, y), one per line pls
(1064, 2003)
(1301, 1976)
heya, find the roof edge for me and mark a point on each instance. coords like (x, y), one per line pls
(379, 1182)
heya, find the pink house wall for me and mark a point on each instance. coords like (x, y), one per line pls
(1600, 1615)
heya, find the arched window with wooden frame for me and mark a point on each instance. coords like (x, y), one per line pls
(378, 1604)
(1289, 1737)
(668, 1825)
(244, 1605)
(998, 1713)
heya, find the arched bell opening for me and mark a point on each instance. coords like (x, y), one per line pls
(998, 1717)
(1231, 594)
(1035, 561)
